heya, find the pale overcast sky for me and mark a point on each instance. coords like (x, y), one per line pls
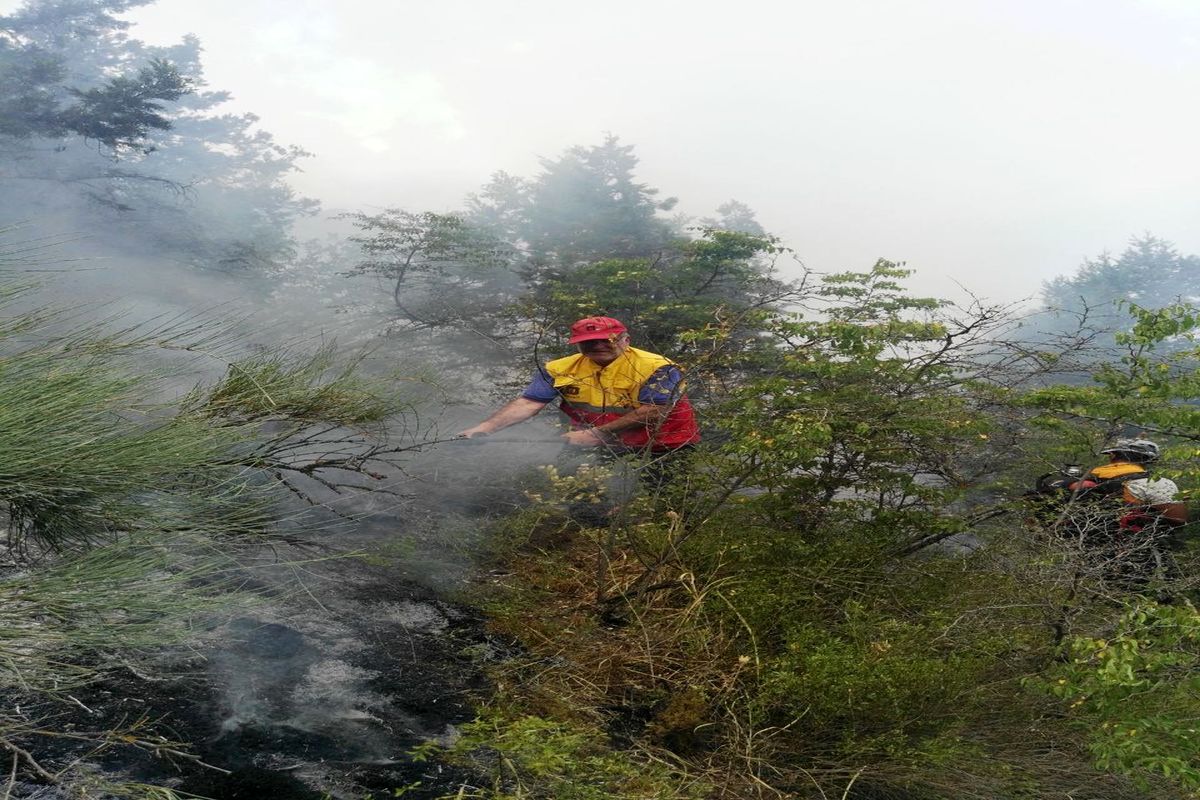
(989, 143)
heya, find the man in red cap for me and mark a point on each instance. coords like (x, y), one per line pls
(614, 395)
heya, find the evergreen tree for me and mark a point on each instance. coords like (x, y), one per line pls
(124, 140)
(587, 205)
(49, 91)
(735, 216)
(1149, 272)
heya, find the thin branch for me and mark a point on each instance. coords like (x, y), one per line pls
(30, 761)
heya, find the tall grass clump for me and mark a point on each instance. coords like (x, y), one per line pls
(130, 489)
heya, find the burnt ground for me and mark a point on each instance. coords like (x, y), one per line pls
(339, 707)
(304, 701)
(307, 703)
(323, 688)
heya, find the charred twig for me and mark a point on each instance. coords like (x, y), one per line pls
(29, 760)
(631, 594)
(12, 777)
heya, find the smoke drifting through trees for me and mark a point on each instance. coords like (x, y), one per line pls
(107, 136)
(526, 256)
(778, 632)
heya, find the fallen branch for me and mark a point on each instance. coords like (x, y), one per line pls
(30, 762)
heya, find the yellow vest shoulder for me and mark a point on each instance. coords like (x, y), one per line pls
(639, 364)
(1118, 469)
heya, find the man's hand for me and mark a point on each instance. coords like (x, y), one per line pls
(588, 438)
(470, 433)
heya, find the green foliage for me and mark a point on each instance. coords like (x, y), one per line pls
(863, 395)
(719, 274)
(1087, 306)
(27, 80)
(89, 458)
(587, 205)
(1133, 693)
(800, 594)
(117, 113)
(735, 216)
(1149, 271)
(440, 268)
(870, 675)
(1151, 387)
(123, 111)
(856, 652)
(74, 619)
(540, 758)
(81, 458)
(319, 387)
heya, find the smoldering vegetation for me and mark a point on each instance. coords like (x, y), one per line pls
(244, 557)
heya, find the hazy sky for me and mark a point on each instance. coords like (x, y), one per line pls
(992, 143)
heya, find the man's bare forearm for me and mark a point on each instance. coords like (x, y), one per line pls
(512, 412)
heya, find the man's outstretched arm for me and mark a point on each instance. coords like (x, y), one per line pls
(514, 411)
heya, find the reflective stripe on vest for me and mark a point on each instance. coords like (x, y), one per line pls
(593, 395)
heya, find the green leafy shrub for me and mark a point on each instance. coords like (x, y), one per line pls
(532, 757)
(1133, 692)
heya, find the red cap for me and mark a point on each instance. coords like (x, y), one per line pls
(590, 328)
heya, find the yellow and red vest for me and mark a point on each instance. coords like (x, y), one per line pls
(1123, 471)
(593, 395)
